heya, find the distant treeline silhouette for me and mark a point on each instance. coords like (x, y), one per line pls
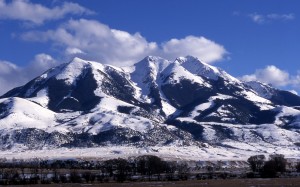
(141, 168)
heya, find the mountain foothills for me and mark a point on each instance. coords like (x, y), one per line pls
(157, 104)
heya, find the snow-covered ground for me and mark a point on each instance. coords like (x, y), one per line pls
(183, 153)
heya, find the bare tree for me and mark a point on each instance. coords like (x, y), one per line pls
(280, 162)
(150, 165)
(298, 167)
(256, 162)
(2, 166)
(277, 163)
(183, 171)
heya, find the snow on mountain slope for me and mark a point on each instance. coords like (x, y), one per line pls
(196, 67)
(287, 115)
(105, 116)
(155, 103)
(146, 75)
(256, 98)
(261, 89)
(101, 121)
(41, 98)
(175, 72)
(147, 72)
(211, 79)
(113, 109)
(276, 96)
(200, 108)
(73, 70)
(20, 113)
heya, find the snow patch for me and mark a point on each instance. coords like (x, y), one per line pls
(25, 114)
(41, 98)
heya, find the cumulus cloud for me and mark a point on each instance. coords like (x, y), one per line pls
(261, 19)
(39, 64)
(9, 76)
(12, 76)
(96, 41)
(275, 76)
(201, 47)
(24, 10)
(271, 74)
(73, 51)
(295, 80)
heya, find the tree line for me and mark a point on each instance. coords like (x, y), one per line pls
(146, 167)
(276, 166)
(141, 168)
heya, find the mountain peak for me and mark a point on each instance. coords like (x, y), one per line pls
(77, 60)
(197, 67)
(262, 89)
(188, 58)
(158, 102)
(153, 58)
(256, 82)
(150, 64)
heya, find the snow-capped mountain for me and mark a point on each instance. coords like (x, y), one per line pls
(155, 102)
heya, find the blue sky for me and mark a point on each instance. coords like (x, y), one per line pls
(250, 39)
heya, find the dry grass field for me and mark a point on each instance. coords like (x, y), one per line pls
(278, 182)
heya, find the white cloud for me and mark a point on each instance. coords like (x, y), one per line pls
(40, 63)
(24, 10)
(295, 80)
(261, 19)
(275, 76)
(99, 42)
(271, 75)
(7, 67)
(200, 47)
(12, 76)
(257, 18)
(73, 51)
(283, 17)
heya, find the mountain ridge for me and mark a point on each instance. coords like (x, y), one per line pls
(155, 102)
